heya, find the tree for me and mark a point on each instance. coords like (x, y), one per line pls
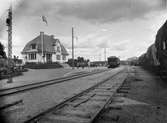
(70, 62)
(80, 59)
(2, 52)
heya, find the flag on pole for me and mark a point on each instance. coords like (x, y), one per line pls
(44, 20)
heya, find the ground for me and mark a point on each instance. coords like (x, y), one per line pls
(41, 99)
(143, 100)
(37, 75)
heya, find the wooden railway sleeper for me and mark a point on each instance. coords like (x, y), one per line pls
(83, 101)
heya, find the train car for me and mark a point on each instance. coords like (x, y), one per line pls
(156, 55)
(149, 59)
(113, 62)
(141, 59)
(161, 45)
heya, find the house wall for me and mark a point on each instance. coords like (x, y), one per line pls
(26, 58)
(66, 58)
(39, 55)
(39, 58)
(58, 52)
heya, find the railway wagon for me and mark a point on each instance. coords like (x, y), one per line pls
(113, 62)
(149, 58)
(156, 55)
(161, 45)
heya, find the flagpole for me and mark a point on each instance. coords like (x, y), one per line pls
(42, 41)
(42, 38)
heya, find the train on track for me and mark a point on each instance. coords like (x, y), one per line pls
(156, 55)
(113, 62)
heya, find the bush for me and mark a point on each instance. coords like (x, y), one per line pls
(50, 65)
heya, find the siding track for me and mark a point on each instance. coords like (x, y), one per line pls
(17, 89)
(85, 106)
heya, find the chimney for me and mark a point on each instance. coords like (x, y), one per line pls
(41, 34)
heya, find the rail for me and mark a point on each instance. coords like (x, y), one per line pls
(73, 109)
(17, 89)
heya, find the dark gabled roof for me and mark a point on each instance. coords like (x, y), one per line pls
(48, 45)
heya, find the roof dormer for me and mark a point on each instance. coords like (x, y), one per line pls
(33, 46)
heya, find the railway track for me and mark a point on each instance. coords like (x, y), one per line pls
(17, 89)
(85, 106)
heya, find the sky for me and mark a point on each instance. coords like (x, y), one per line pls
(125, 28)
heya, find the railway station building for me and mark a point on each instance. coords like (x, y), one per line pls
(43, 49)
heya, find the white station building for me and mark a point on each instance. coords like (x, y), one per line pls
(44, 49)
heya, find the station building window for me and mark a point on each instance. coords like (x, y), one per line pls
(48, 57)
(33, 46)
(32, 56)
(58, 57)
(64, 57)
(54, 44)
(58, 49)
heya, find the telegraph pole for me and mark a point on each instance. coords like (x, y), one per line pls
(9, 25)
(104, 54)
(72, 48)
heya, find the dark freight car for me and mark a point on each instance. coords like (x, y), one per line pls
(156, 55)
(161, 45)
(113, 61)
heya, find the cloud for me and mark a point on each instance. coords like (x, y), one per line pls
(104, 44)
(106, 10)
(97, 24)
(94, 10)
(120, 47)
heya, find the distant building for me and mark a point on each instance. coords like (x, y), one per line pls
(44, 48)
(132, 61)
(98, 63)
